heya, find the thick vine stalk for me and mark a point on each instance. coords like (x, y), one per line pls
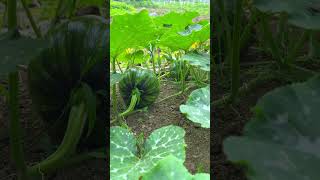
(134, 100)
(16, 147)
(76, 123)
(114, 90)
(235, 52)
(12, 15)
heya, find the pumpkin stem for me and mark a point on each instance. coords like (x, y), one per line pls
(135, 97)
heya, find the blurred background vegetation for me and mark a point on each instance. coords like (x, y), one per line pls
(160, 6)
(44, 11)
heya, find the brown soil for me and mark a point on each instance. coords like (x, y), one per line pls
(35, 150)
(230, 121)
(167, 113)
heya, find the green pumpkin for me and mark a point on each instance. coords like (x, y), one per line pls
(142, 80)
(77, 53)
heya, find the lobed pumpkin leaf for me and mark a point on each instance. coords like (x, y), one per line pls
(125, 32)
(282, 140)
(201, 60)
(174, 21)
(177, 41)
(171, 168)
(197, 108)
(126, 163)
(301, 13)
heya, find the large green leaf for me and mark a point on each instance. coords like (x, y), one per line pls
(183, 41)
(200, 60)
(174, 21)
(120, 8)
(126, 161)
(134, 56)
(179, 32)
(171, 168)
(302, 13)
(282, 141)
(197, 108)
(131, 31)
(18, 52)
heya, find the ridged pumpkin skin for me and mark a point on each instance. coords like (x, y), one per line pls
(145, 81)
(59, 69)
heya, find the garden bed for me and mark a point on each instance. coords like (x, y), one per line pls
(230, 120)
(167, 113)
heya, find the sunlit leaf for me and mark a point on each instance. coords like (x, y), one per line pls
(127, 163)
(171, 168)
(131, 31)
(197, 108)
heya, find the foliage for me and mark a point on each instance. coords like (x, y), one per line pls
(300, 12)
(171, 168)
(146, 46)
(134, 29)
(282, 139)
(115, 78)
(120, 8)
(200, 60)
(129, 163)
(11, 52)
(197, 108)
(140, 30)
(99, 3)
(179, 70)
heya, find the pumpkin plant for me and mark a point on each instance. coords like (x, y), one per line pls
(125, 28)
(281, 141)
(171, 168)
(139, 88)
(129, 162)
(149, 48)
(152, 34)
(75, 58)
(14, 53)
(301, 14)
(197, 107)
